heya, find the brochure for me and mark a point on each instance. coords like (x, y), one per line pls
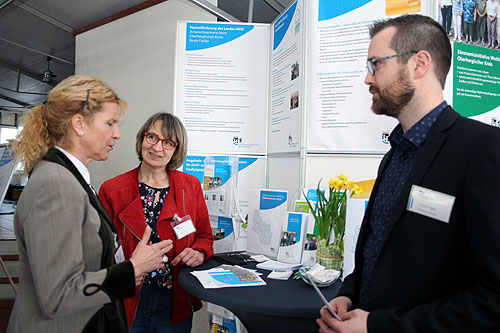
(273, 265)
(267, 209)
(226, 276)
(223, 232)
(292, 237)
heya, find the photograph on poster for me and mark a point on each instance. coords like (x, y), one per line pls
(294, 100)
(295, 70)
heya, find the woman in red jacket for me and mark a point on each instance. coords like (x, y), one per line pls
(157, 195)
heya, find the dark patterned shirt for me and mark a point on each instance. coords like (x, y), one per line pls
(152, 200)
(406, 148)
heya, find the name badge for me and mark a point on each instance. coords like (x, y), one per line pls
(119, 255)
(430, 203)
(183, 227)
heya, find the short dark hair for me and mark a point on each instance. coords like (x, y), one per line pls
(173, 129)
(417, 32)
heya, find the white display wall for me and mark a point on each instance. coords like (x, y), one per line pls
(135, 55)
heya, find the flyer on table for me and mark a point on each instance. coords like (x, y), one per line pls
(221, 69)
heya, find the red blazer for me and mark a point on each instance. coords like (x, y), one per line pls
(120, 197)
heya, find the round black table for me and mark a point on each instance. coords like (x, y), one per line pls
(279, 306)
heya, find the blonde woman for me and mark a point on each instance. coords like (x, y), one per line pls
(72, 277)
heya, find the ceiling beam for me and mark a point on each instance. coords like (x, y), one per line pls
(43, 16)
(13, 100)
(278, 7)
(5, 3)
(31, 75)
(36, 51)
(209, 8)
(119, 15)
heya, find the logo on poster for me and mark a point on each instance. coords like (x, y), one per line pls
(495, 122)
(385, 137)
(237, 140)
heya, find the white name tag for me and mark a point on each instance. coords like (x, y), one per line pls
(184, 228)
(119, 255)
(430, 203)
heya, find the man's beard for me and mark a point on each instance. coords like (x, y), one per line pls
(394, 96)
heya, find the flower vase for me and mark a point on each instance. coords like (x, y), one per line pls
(328, 256)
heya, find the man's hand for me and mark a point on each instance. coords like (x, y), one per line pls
(189, 257)
(352, 322)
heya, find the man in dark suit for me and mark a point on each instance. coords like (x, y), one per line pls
(427, 257)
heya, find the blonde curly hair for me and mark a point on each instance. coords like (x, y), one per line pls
(45, 125)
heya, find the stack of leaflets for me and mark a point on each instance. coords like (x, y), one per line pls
(225, 276)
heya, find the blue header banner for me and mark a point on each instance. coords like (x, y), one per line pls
(201, 36)
(225, 223)
(195, 165)
(271, 199)
(295, 224)
(282, 24)
(329, 9)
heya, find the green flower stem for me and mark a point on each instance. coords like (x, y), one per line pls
(330, 216)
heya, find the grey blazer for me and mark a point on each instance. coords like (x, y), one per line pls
(60, 239)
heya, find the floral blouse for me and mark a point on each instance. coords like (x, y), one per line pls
(152, 200)
(469, 6)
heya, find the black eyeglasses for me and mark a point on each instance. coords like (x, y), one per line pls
(153, 139)
(371, 65)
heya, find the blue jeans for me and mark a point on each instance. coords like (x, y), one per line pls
(154, 312)
(446, 16)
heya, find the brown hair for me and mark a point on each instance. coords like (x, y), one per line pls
(45, 125)
(417, 32)
(173, 129)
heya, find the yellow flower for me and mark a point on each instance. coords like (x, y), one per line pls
(356, 190)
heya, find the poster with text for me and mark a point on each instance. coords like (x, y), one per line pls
(338, 107)
(476, 83)
(221, 79)
(287, 72)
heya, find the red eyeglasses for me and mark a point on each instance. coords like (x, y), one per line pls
(153, 139)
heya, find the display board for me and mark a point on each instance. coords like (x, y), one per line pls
(339, 116)
(221, 80)
(287, 72)
(476, 82)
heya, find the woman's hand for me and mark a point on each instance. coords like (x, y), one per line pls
(189, 257)
(147, 258)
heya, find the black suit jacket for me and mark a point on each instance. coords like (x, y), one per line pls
(433, 276)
